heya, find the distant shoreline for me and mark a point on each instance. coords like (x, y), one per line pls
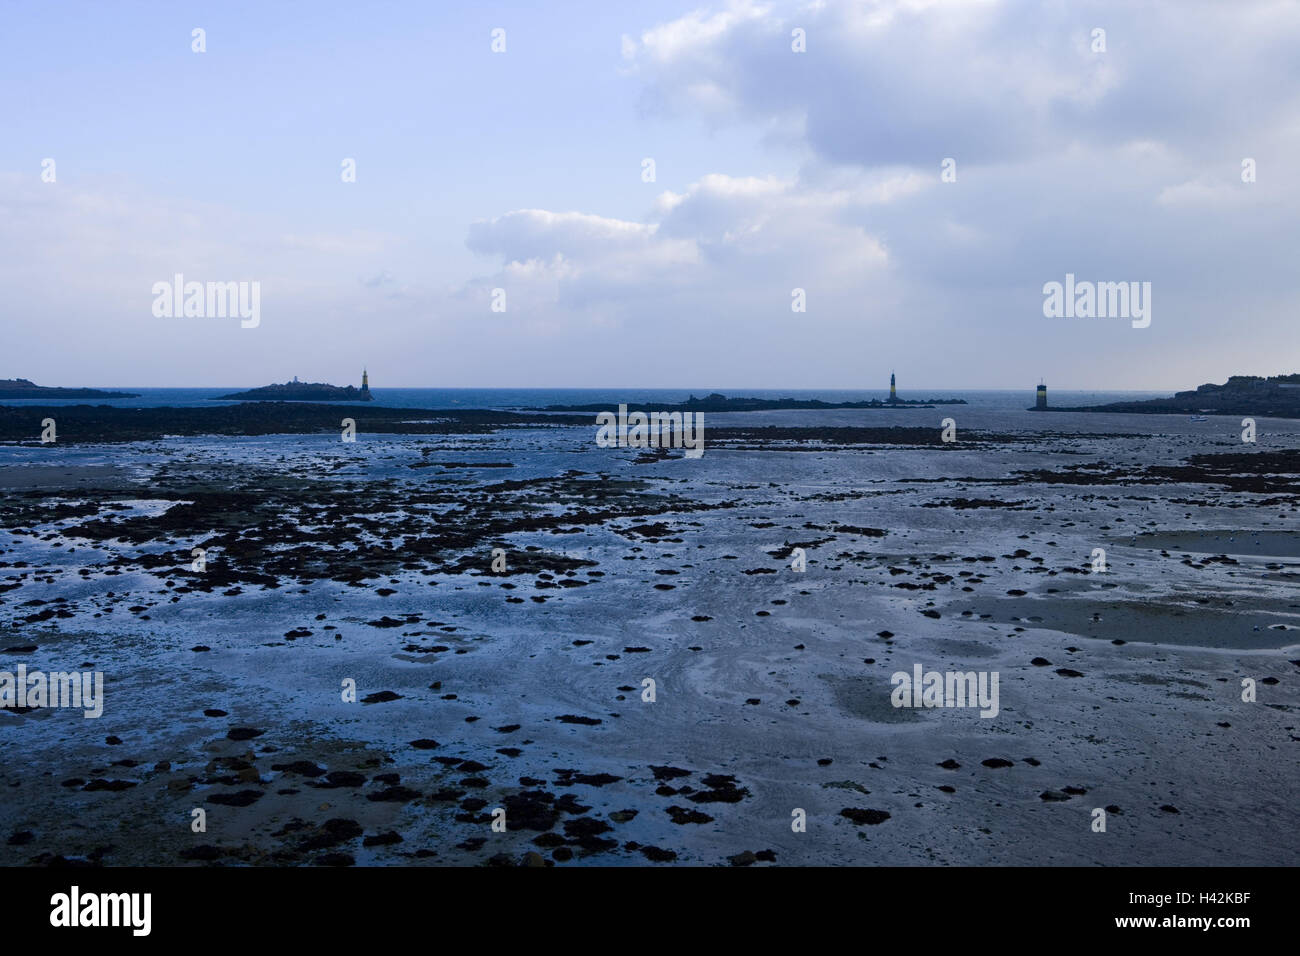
(721, 403)
(1275, 397)
(21, 388)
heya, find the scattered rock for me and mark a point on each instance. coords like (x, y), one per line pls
(669, 773)
(864, 817)
(682, 816)
(204, 853)
(239, 798)
(304, 768)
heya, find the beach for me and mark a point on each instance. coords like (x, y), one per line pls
(523, 688)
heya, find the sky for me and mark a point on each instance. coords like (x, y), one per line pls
(524, 170)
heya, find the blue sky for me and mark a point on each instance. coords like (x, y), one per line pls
(522, 171)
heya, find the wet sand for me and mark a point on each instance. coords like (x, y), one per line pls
(523, 690)
(1280, 544)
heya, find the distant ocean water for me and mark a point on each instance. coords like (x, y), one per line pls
(506, 398)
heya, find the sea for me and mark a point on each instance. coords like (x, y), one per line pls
(1015, 399)
(1006, 410)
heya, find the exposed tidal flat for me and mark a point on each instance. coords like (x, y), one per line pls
(523, 689)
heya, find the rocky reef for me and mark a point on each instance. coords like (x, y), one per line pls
(296, 391)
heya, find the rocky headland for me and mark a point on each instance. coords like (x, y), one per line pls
(1277, 396)
(22, 388)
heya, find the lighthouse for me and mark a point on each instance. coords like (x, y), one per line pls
(365, 382)
(1041, 403)
(893, 391)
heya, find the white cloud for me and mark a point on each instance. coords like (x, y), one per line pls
(710, 242)
(1204, 191)
(885, 81)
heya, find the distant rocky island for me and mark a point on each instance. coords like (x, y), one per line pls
(22, 388)
(1276, 396)
(297, 391)
(716, 402)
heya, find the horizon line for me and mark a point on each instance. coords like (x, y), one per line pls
(665, 388)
